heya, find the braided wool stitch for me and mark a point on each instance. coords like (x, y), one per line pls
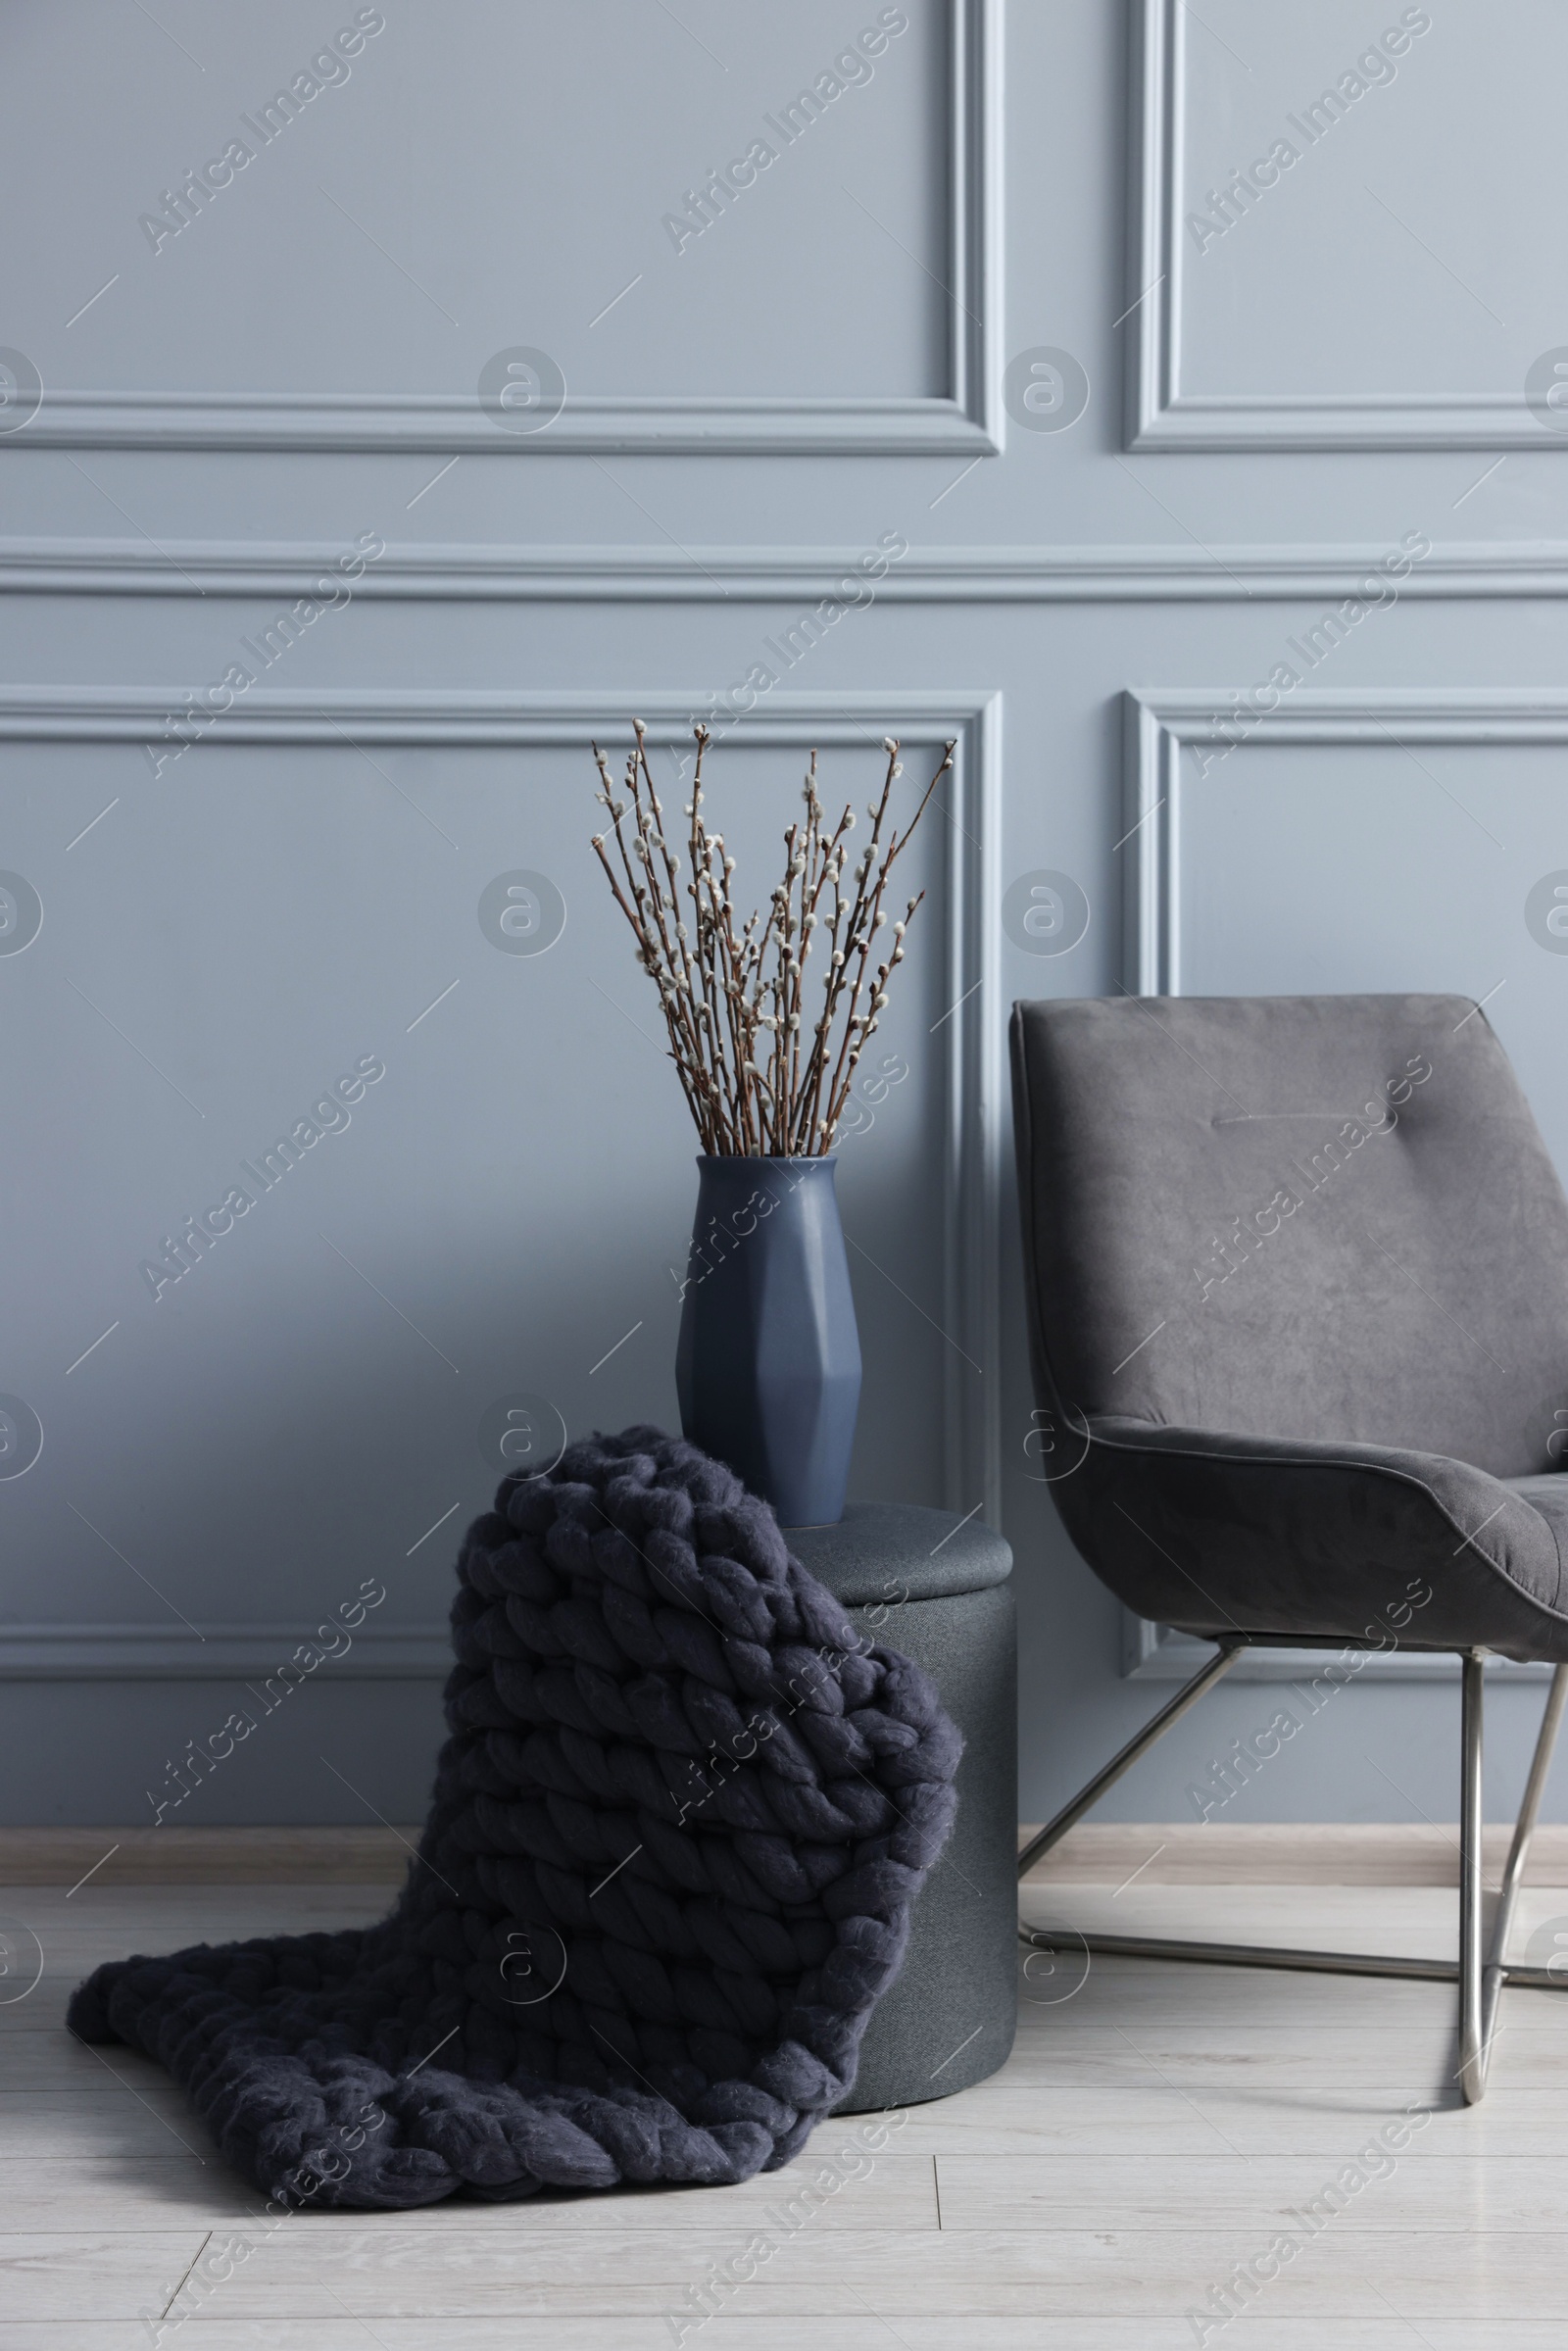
(677, 1832)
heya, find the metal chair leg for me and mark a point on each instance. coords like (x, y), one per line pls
(1155, 1728)
(1472, 2057)
(1479, 1986)
(1497, 1970)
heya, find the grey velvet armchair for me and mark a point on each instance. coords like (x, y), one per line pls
(1297, 1280)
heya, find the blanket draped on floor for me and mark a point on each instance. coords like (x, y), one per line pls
(677, 1832)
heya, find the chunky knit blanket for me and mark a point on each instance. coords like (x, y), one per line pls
(677, 1832)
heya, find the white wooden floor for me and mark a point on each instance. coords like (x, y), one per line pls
(1159, 2126)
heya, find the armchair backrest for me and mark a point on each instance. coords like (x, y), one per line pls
(1298, 1216)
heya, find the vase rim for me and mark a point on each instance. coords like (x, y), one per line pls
(767, 1159)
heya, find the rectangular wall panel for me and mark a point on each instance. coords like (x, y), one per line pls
(1311, 270)
(254, 264)
(231, 1434)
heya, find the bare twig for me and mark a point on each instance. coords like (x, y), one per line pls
(733, 998)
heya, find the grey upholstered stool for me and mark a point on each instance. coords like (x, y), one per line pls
(936, 1587)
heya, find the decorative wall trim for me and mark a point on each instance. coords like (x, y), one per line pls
(590, 425)
(138, 1653)
(1160, 415)
(972, 1178)
(970, 1043)
(969, 421)
(977, 194)
(62, 1856)
(1155, 1653)
(984, 574)
(1160, 722)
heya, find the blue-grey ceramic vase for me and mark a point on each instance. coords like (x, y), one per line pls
(768, 1365)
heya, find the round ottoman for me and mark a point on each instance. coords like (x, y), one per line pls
(936, 1587)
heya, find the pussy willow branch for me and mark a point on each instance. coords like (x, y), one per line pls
(734, 999)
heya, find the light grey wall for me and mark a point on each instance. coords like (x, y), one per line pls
(835, 366)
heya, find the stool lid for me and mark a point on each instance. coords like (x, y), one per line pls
(891, 1551)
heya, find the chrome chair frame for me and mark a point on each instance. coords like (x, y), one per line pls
(1480, 1982)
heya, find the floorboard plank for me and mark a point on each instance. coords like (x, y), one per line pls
(848, 2331)
(65, 2274)
(1154, 2275)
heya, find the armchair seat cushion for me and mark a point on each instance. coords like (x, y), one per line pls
(1307, 1541)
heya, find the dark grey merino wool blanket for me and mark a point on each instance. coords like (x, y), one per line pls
(677, 1830)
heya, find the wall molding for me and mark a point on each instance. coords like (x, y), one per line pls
(969, 421)
(590, 425)
(761, 574)
(140, 1652)
(1160, 722)
(231, 1855)
(1155, 1653)
(1186, 1852)
(970, 1044)
(1160, 415)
